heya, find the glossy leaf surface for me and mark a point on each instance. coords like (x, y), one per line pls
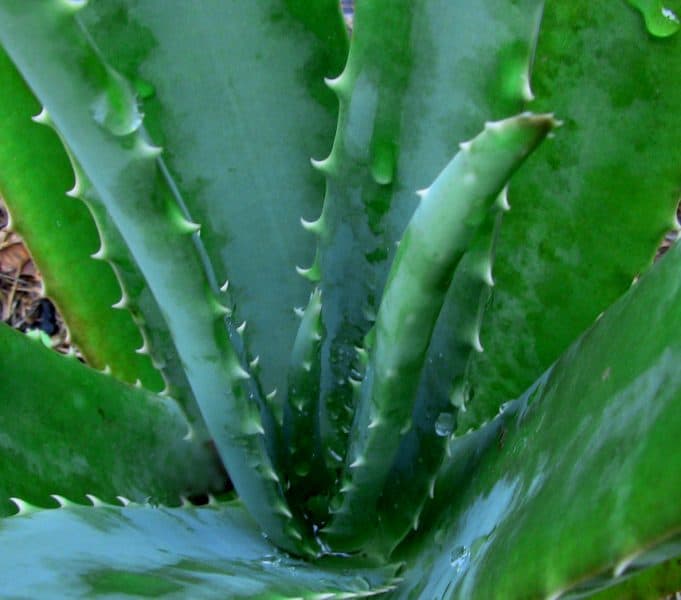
(238, 101)
(67, 429)
(144, 551)
(97, 115)
(421, 77)
(589, 211)
(591, 448)
(35, 175)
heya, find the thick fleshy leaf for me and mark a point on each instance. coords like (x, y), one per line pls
(95, 111)
(659, 581)
(67, 429)
(35, 175)
(421, 77)
(590, 210)
(575, 484)
(238, 100)
(436, 239)
(144, 551)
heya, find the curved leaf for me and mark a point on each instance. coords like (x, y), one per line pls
(144, 551)
(437, 237)
(590, 211)
(95, 111)
(421, 77)
(591, 448)
(238, 101)
(34, 176)
(67, 429)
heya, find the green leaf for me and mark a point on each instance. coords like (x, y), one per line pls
(67, 429)
(238, 101)
(660, 581)
(144, 551)
(34, 176)
(421, 78)
(588, 211)
(95, 111)
(576, 484)
(438, 235)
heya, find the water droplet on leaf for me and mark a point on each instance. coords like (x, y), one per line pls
(444, 425)
(116, 108)
(459, 557)
(660, 20)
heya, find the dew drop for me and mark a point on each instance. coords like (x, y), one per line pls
(444, 425)
(459, 557)
(116, 107)
(660, 20)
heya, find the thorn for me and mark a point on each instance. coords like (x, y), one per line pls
(24, 507)
(270, 474)
(324, 166)
(282, 509)
(355, 383)
(224, 286)
(106, 370)
(94, 500)
(63, 502)
(334, 83)
(271, 395)
(422, 193)
(375, 422)
(475, 342)
(494, 125)
(465, 146)
(189, 436)
(241, 328)
(346, 487)
(187, 226)
(311, 273)
(502, 200)
(146, 150)
(624, 564)
(121, 304)
(307, 365)
(219, 309)
(528, 96)
(138, 383)
(238, 372)
(144, 348)
(358, 462)
(43, 118)
(312, 226)
(100, 255)
(487, 273)
(123, 500)
(300, 312)
(77, 189)
(255, 362)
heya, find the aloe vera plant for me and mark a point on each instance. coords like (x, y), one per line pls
(401, 416)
